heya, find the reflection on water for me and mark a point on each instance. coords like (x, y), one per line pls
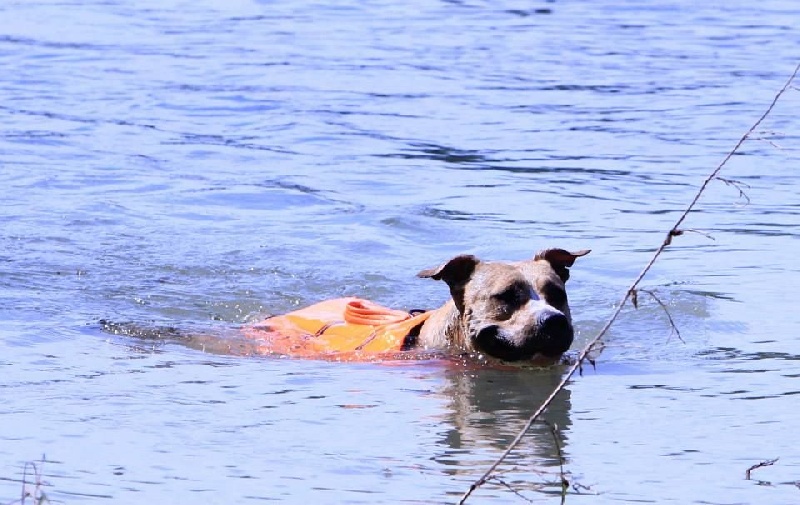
(487, 409)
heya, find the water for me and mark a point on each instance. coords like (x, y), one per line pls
(201, 164)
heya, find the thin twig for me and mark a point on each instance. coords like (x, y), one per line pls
(738, 185)
(510, 488)
(577, 487)
(37, 495)
(768, 462)
(563, 481)
(769, 133)
(666, 311)
(591, 344)
(699, 232)
(770, 142)
(562, 475)
(24, 492)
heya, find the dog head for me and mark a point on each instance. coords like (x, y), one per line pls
(512, 310)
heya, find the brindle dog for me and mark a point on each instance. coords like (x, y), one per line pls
(508, 310)
(512, 311)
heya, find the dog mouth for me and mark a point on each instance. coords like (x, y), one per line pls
(552, 337)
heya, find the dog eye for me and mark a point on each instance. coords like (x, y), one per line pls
(513, 297)
(554, 295)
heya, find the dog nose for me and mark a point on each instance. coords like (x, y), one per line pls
(555, 333)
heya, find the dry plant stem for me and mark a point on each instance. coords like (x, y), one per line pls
(666, 311)
(768, 462)
(562, 475)
(510, 488)
(706, 235)
(674, 231)
(24, 492)
(577, 487)
(37, 496)
(564, 482)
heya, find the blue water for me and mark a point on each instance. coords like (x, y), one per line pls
(202, 164)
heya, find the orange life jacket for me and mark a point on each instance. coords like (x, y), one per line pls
(347, 329)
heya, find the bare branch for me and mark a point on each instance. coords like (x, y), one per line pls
(673, 326)
(705, 234)
(770, 142)
(34, 488)
(578, 487)
(562, 474)
(768, 462)
(511, 488)
(738, 185)
(582, 356)
(764, 137)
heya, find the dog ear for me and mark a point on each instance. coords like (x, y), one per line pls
(560, 260)
(456, 273)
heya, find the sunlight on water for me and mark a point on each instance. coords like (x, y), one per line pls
(200, 166)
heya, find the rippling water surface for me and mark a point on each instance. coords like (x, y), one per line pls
(201, 164)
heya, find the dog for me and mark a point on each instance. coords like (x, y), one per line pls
(508, 311)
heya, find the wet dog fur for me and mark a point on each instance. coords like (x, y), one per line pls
(512, 311)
